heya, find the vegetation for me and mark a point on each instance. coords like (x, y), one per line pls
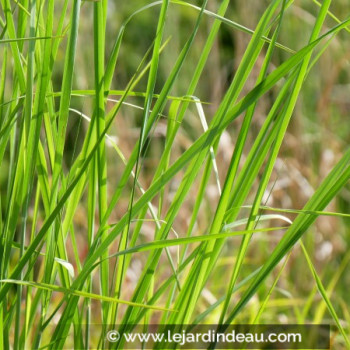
(172, 162)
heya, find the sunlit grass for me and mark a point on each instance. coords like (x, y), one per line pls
(76, 215)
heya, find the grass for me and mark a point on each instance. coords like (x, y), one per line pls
(88, 220)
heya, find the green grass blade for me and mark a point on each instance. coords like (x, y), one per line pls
(324, 295)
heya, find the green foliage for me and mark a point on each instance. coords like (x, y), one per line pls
(202, 126)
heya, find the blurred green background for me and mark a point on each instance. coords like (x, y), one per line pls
(316, 138)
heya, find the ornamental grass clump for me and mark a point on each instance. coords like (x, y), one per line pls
(162, 162)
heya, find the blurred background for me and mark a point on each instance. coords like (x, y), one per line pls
(315, 140)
